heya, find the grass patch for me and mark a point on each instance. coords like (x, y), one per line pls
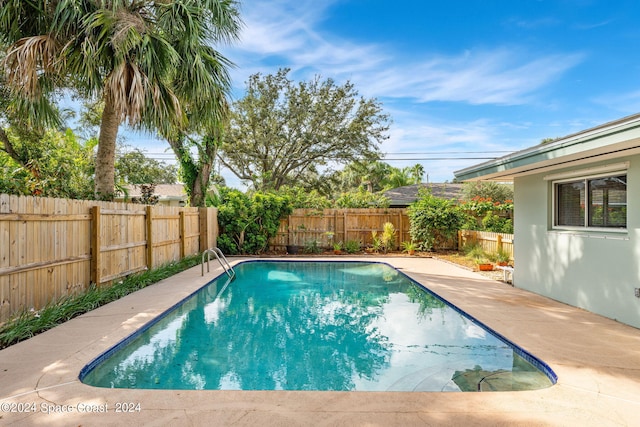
(29, 323)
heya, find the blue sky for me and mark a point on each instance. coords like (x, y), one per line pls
(477, 78)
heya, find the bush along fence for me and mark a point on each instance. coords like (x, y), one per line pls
(489, 242)
(315, 228)
(51, 248)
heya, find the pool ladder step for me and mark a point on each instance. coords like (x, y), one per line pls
(221, 259)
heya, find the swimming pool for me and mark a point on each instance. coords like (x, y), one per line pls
(294, 325)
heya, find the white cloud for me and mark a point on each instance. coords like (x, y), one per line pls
(287, 34)
(490, 77)
(627, 102)
(283, 34)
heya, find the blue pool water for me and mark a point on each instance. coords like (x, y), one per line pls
(317, 326)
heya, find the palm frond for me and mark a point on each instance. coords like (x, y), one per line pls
(127, 86)
(28, 60)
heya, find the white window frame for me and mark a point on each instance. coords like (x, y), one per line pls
(584, 175)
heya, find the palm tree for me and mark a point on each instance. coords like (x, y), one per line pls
(149, 61)
(399, 177)
(374, 174)
(417, 172)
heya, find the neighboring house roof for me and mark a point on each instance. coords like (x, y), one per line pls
(404, 196)
(163, 191)
(607, 141)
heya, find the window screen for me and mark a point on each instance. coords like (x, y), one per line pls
(592, 202)
(608, 202)
(570, 203)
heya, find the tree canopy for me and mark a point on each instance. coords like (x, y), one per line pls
(133, 167)
(51, 163)
(282, 133)
(500, 193)
(150, 62)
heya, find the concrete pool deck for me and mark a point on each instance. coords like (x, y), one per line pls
(597, 361)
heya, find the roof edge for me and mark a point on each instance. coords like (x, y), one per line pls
(525, 156)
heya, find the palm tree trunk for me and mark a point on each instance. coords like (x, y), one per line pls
(106, 157)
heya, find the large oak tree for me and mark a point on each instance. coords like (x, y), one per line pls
(283, 132)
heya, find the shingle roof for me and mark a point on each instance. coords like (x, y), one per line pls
(404, 196)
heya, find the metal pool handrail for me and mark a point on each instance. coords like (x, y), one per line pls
(220, 256)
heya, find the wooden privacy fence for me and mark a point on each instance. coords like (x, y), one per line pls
(338, 225)
(490, 242)
(50, 248)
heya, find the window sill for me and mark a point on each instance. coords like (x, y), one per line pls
(593, 233)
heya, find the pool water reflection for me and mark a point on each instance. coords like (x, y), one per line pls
(317, 326)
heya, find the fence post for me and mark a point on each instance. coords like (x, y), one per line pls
(499, 242)
(344, 226)
(183, 235)
(400, 226)
(203, 214)
(149, 223)
(95, 245)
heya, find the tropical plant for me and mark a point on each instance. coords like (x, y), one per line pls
(376, 242)
(388, 236)
(337, 246)
(502, 256)
(399, 178)
(417, 172)
(196, 157)
(409, 247)
(352, 246)
(151, 63)
(474, 251)
(312, 247)
(366, 175)
(146, 195)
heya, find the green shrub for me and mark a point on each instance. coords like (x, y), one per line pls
(487, 190)
(496, 224)
(352, 246)
(362, 199)
(311, 247)
(434, 221)
(248, 222)
(302, 198)
(474, 251)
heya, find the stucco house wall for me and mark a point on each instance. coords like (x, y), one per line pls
(595, 268)
(597, 271)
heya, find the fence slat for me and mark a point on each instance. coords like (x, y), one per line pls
(489, 241)
(50, 248)
(304, 225)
